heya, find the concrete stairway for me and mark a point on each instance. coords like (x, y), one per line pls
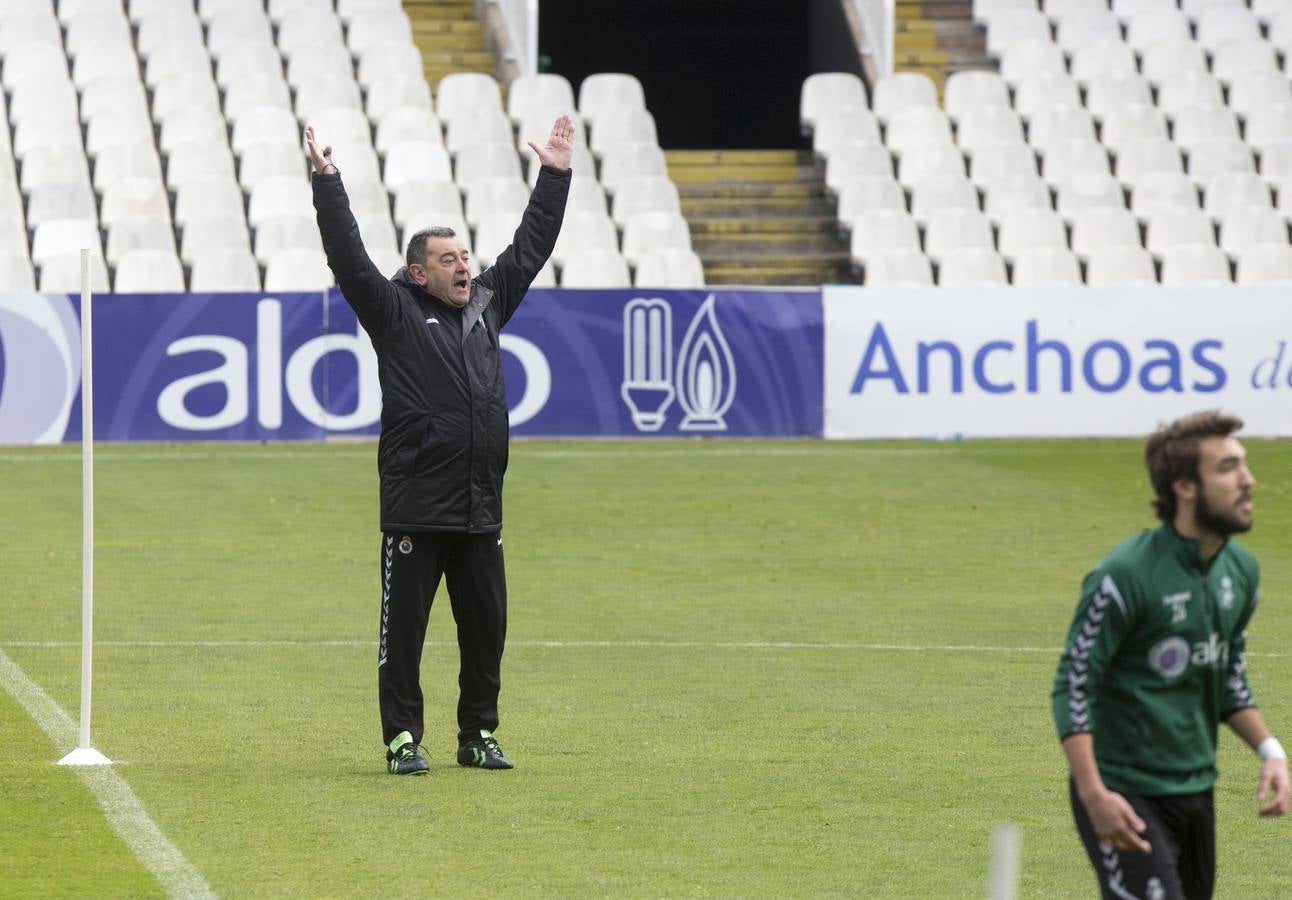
(450, 37)
(759, 216)
(938, 37)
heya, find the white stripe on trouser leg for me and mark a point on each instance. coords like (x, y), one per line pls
(1113, 871)
(385, 597)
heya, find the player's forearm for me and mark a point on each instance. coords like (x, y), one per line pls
(1080, 750)
(1250, 725)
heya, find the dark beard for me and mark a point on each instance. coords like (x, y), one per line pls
(1217, 521)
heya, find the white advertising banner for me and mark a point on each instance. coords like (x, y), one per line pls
(945, 363)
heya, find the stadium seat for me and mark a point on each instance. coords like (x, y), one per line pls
(932, 160)
(202, 197)
(60, 200)
(56, 165)
(407, 123)
(1217, 25)
(32, 62)
(484, 163)
(972, 267)
(948, 192)
(848, 125)
(298, 270)
(134, 197)
(1120, 266)
(1143, 155)
(323, 63)
(378, 232)
(378, 28)
(383, 61)
(604, 92)
(1163, 61)
(949, 230)
(61, 273)
(492, 235)
(496, 195)
(1099, 228)
(1233, 191)
(278, 159)
(1276, 160)
(16, 273)
(1266, 264)
(646, 231)
(287, 231)
(539, 91)
(582, 232)
(1196, 125)
(198, 162)
(899, 268)
(415, 161)
(668, 268)
(128, 124)
(1085, 25)
(1219, 157)
(213, 233)
(1155, 25)
(823, 94)
(421, 200)
(64, 236)
(652, 194)
(880, 231)
(1109, 56)
(1131, 122)
(326, 93)
(631, 161)
(184, 91)
(1046, 267)
(855, 161)
(149, 271)
(264, 124)
(1162, 192)
(1032, 59)
(196, 125)
(1258, 92)
(1028, 230)
(988, 127)
(105, 94)
(305, 28)
(873, 192)
(596, 269)
(969, 90)
(1045, 91)
(279, 197)
(245, 61)
(902, 91)
(1192, 266)
(474, 128)
(1013, 27)
(1059, 124)
(384, 97)
(614, 127)
(1189, 89)
(1243, 229)
(1243, 57)
(462, 92)
(586, 195)
(1106, 94)
(1021, 191)
(220, 269)
(1274, 125)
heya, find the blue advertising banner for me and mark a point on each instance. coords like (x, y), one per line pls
(298, 366)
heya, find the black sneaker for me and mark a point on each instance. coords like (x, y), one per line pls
(483, 753)
(402, 757)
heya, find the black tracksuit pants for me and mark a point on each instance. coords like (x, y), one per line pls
(412, 565)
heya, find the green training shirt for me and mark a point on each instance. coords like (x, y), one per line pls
(1154, 661)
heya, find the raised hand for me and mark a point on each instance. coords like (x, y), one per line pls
(560, 145)
(321, 158)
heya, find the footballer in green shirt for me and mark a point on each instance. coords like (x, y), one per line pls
(1154, 661)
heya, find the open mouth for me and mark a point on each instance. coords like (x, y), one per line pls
(461, 284)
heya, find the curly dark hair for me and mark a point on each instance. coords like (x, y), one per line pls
(1172, 453)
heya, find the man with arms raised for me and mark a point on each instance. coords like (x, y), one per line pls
(1154, 662)
(443, 447)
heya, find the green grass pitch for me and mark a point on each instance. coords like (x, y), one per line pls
(734, 669)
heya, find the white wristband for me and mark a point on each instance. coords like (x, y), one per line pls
(1270, 748)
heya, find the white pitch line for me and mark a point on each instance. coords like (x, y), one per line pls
(662, 645)
(121, 807)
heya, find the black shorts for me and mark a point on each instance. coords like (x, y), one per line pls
(1182, 833)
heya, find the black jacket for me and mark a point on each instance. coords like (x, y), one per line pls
(443, 446)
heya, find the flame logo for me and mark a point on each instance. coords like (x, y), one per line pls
(706, 374)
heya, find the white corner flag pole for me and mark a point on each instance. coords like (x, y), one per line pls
(1002, 876)
(84, 754)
